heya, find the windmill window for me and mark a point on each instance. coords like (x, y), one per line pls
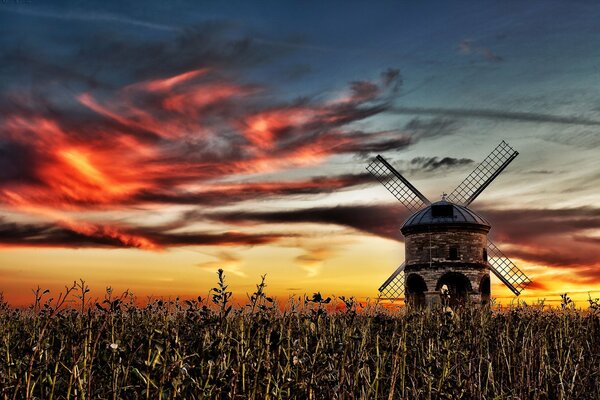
(453, 253)
(442, 211)
(485, 258)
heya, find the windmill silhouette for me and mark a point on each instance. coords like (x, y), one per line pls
(446, 243)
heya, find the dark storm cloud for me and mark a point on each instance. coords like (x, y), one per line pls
(549, 237)
(430, 164)
(556, 257)
(518, 225)
(213, 239)
(380, 220)
(364, 143)
(499, 115)
(431, 128)
(50, 235)
(46, 235)
(236, 193)
(376, 147)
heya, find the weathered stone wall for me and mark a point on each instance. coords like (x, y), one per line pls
(435, 246)
(428, 255)
(432, 276)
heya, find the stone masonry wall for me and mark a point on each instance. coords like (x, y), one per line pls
(428, 255)
(420, 246)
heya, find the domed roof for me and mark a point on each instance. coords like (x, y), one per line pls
(444, 212)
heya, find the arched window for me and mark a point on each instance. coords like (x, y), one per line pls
(458, 286)
(453, 253)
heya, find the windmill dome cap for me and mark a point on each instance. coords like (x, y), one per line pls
(444, 212)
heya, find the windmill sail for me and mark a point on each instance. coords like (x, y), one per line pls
(393, 287)
(397, 185)
(483, 175)
(506, 270)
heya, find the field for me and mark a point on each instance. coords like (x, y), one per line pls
(312, 348)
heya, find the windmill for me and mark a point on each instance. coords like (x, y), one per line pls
(446, 243)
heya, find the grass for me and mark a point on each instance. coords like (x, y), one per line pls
(313, 348)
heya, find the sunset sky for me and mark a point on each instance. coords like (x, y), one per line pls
(143, 146)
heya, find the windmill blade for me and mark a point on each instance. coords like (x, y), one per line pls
(393, 287)
(506, 270)
(483, 175)
(397, 185)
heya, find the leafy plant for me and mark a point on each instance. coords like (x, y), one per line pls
(312, 348)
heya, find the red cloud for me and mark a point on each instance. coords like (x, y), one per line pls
(162, 85)
(172, 139)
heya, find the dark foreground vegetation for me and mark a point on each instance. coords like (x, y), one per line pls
(315, 348)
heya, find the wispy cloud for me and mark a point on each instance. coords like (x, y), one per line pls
(181, 133)
(149, 141)
(313, 259)
(91, 16)
(503, 115)
(552, 237)
(380, 220)
(430, 164)
(469, 47)
(225, 260)
(88, 235)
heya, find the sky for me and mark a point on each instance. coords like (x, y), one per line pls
(143, 147)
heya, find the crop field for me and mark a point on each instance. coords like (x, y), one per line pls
(309, 348)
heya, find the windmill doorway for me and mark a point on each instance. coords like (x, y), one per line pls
(415, 290)
(458, 286)
(484, 289)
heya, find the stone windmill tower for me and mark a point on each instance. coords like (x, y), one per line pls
(446, 243)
